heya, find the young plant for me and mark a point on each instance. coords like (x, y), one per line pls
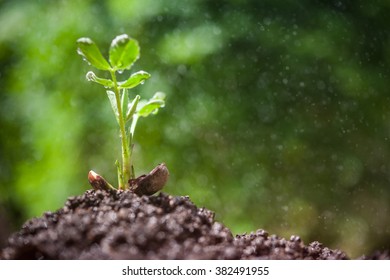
(123, 52)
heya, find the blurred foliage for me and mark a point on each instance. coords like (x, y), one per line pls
(277, 112)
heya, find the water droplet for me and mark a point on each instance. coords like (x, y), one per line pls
(90, 76)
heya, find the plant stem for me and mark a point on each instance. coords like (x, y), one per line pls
(126, 172)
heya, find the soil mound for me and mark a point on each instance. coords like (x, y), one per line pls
(122, 225)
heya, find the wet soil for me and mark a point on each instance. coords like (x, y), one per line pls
(122, 225)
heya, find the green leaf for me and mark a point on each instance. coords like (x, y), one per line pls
(105, 82)
(124, 51)
(124, 102)
(159, 96)
(134, 80)
(132, 107)
(91, 53)
(114, 106)
(133, 125)
(152, 106)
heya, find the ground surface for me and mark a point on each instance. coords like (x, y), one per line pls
(99, 225)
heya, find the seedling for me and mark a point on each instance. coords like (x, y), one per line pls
(123, 52)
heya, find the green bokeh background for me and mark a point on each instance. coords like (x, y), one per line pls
(277, 115)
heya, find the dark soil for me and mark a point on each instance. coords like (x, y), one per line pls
(99, 225)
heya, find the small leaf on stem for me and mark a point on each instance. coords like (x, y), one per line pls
(111, 97)
(91, 53)
(132, 108)
(134, 80)
(124, 102)
(124, 51)
(152, 106)
(104, 82)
